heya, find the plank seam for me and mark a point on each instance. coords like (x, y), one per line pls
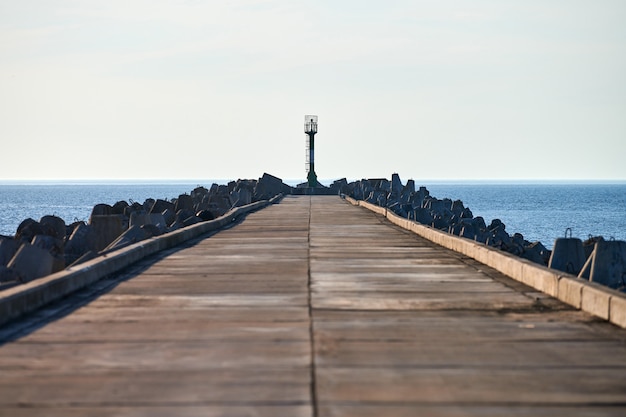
(311, 330)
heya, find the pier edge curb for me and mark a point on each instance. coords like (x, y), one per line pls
(590, 297)
(22, 299)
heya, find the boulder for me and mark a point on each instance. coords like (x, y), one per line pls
(397, 208)
(220, 204)
(396, 184)
(473, 228)
(498, 238)
(409, 188)
(144, 218)
(468, 231)
(158, 220)
(434, 205)
(152, 230)
(481, 237)
(191, 221)
(268, 186)
(133, 208)
(106, 229)
(380, 184)
(536, 252)
(422, 215)
(479, 222)
(198, 193)
(54, 246)
(31, 262)
(183, 202)
(518, 239)
(69, 228)
(513, 248)
(182, 215)
(160, 206)
(590, 244)
(417, 199)
(339, 186)
(608, 266)
(455, 229)
(223, 189)
(357, 190)
(496, 226)
(568, 255)
(134, 234)
(464, 226)
(202, 204)
(119, 207)
(169, 215)
(241, 197)
(53, 226)
(439, 222)
(205, 215)
(27, 229)
(8, 247)
(466, 213)
(138, 218)
(82, 240)
(234, 197)
(8, 275)
(101, 210)
(147, 204)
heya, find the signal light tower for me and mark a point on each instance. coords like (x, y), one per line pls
(310, 128)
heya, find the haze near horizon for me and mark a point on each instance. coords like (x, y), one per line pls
(495, 90)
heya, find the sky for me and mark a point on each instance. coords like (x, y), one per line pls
(445, 89)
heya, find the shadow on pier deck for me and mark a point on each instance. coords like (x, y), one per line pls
(311, 307)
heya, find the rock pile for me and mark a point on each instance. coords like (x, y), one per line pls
(445, 214)
(42, 247)
(595, 259)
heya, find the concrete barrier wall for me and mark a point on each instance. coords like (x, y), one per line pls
(28, 297)
(593, 298)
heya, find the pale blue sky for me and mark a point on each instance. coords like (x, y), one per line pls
(153, 89)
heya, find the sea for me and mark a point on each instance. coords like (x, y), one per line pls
(540, 211)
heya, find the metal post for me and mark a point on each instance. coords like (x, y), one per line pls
(312, 177)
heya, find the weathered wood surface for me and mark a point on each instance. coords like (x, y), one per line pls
(311, 307)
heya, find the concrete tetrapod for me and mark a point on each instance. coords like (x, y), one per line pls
(568, 255)
(608, 265)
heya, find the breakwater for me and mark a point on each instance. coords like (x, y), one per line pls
(444, 214)
(543, 211)
(595, 259)
(46, 246)
(42, 247)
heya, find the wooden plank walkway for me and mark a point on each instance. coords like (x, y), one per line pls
(311, 307)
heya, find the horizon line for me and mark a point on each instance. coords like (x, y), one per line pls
(291, 180)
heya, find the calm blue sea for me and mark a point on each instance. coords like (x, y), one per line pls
(541, 212)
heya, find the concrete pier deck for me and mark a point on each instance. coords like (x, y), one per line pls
(311, 307)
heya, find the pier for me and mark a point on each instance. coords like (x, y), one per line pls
(311, 307)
